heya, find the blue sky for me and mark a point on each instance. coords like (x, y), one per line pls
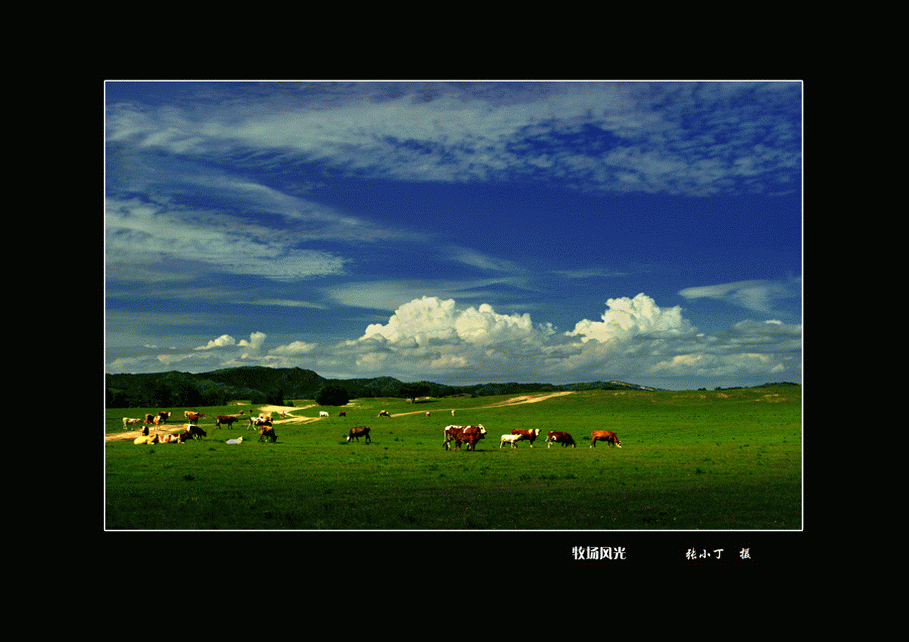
(457, 232)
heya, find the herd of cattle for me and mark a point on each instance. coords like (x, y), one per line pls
(457, 435)
(470, 435)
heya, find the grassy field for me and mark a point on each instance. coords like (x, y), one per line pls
(709, 460)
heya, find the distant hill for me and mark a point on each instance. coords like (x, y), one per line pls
(274, 385)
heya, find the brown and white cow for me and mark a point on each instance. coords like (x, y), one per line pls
(529, 435)
(193, 416)
(469, 435)
(606, 435)
(226, 419)
(449, 434)
(563, 438)
(384, 413)
(162, 417)
(359, 431)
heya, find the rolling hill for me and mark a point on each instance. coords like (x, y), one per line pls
(268, 385)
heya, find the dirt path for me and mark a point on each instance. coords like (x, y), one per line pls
(529, 399)
(291, 418)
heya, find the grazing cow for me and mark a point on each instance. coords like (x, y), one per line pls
(193, 416)
(322, 413)
(511, 439)
(148, 418)
(560, 438)
(238, 440)
(427, 413)
(342, 414)
(470, 435)
(162, 417)
(192, 431)
(606, 435)
(128, 421)
(267, 432)
(357, 432)
(225, 419)
(529, 435)
(384, 413)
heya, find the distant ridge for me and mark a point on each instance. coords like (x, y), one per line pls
(260, 384)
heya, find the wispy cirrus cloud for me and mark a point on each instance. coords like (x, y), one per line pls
(630, 137)
(758, 295)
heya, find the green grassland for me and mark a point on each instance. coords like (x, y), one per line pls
(709, 460)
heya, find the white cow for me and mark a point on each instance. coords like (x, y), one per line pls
(511, 439)
(238, 440)
(322, 413)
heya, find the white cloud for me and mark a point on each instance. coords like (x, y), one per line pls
(757, 295)
(145, 233)
(626, 318)
(431, 338)
(220, 342)
(662, 137)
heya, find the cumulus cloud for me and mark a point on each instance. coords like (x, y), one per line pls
(220, 342)
(433, 338)
(626, 318)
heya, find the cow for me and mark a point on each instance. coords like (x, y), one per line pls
(342, 414)
(384, 413)
(193, 416)
(470, 435)
(359, 431)
(225, 419)
(129, 421)
(192, 431)
(511, 439)
(448, 434)
(560, 438)
(452, 412)
(146, 440)
(259, 421)
(322, 413)
(162, 417)
(148, 418)
(267, 432)
(529, 435)
(167, 439)
(606, 435)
